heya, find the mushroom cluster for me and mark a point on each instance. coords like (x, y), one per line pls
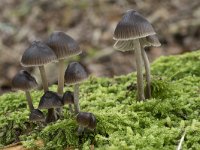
(134, 32)
(58, 47)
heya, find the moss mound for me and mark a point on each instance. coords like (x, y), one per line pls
(123, 123)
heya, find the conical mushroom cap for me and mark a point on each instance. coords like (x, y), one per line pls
(128, 45)
(75, 73)
(68, 98)
(24, 81)
(50, 100)
(83, 118)
(37, 54)
(63, 45)
(151, 40)
(36, 115)
(132, 26)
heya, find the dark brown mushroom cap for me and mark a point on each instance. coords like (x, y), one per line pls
(93, 123)
(83, 118)
(37, 54)
(75, 73)
(50, 100)
(24, 81)
(133, 26)
(68, 98)
(36, 115)
(63, 45)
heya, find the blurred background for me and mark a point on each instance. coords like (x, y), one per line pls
(92, 23)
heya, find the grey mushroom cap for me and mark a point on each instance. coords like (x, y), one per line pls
(93, 123)
(24, 81)
(50, 100)
(36, 115)
(75, 73)
(83, 118)
(128, 45)
(63, 45)
(38, 54)
(68, 98)
(151, 40)
(133, 26)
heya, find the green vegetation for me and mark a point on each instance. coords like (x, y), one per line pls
(123, 123)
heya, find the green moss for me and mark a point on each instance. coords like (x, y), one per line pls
(123, 123)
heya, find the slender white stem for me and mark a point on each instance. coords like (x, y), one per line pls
(61, 77)
(29, 100)
(76, 99)
(140, 86)
(70, 108)
(148, 73)
(44, 78)
(181, 141)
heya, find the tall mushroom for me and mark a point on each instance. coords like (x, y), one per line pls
(50, 100)
(25, 82)
(128, 33)
(63, 46)
(75, 74)
(38, 54)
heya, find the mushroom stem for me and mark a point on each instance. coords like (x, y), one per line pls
(44, 78)
(61, 76)
(140, 87)
(80, 130)
(51, 116)
(70, 108)
(148, 74)
(76, 99)
(29, 100)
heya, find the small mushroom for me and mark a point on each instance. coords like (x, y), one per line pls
(63, 46)
(75, 74)
(50, 100)
(128, 34)
(85, 120)
(38, 54)
(25, 82)
(36, 115)
(68, 98)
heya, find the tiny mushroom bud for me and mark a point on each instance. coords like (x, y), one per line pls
(129, 34)
(63, 46)
(75, 74)
(25, 82)
(85, 120)
(36, 115)
(68, 98)
(50, 100)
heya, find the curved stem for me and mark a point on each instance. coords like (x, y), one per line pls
(61, 77)
(44, 78)
(80, 130)
(29, 100)
(140, 87)
(76, 99)
(148, 74)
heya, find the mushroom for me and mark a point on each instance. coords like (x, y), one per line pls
(68, 98)
(85, 120)
(36, 115)
(75, 74)
(25, 82)
(38, 54)
(63, 46)
(50, 100)
(128, 34)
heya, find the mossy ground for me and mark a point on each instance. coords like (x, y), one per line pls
(123, 123)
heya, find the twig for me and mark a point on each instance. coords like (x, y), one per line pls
(181, 141)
